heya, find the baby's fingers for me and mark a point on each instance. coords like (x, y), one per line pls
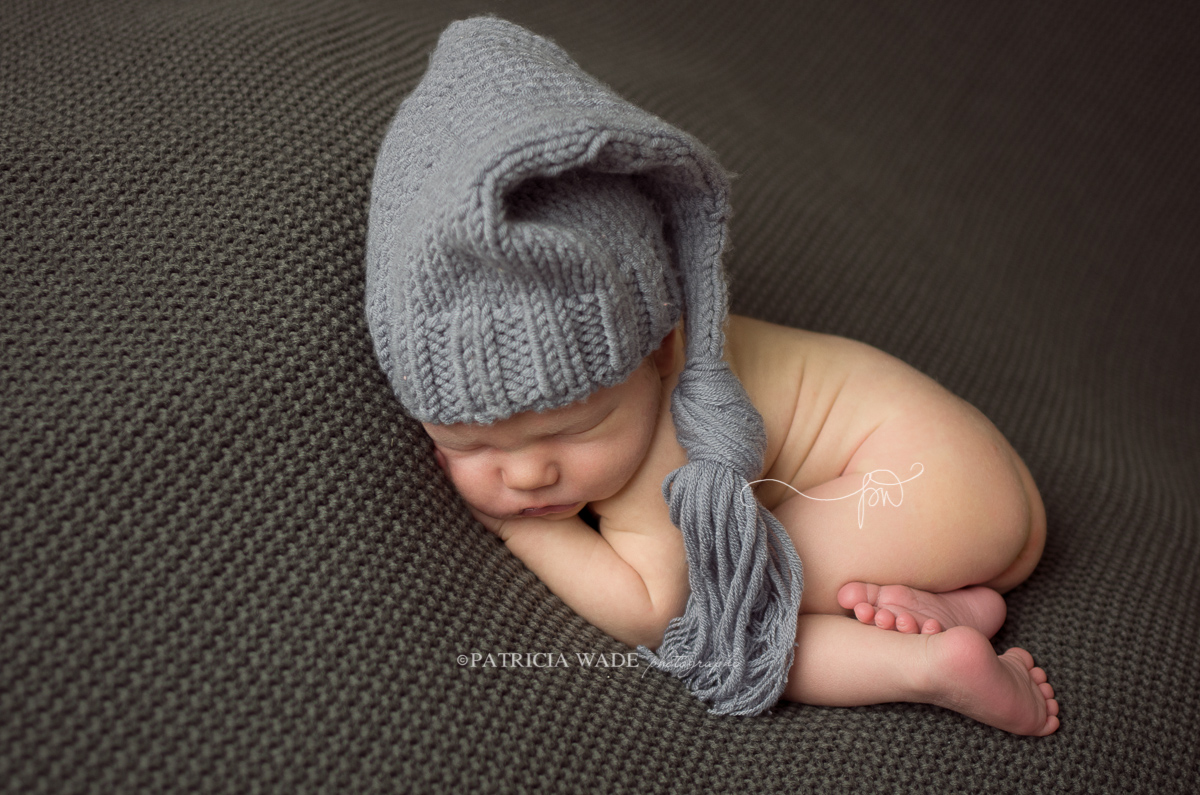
(493, 524)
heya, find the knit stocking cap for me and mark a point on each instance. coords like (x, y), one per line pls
(532, 238)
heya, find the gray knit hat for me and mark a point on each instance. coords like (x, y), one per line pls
(532, 238)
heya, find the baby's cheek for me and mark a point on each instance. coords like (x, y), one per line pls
(451, 469)
(455, 472)
(616, 465)
(462, 476)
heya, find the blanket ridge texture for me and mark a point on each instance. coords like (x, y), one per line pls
(228, 562)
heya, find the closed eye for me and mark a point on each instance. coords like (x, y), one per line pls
(460, 448)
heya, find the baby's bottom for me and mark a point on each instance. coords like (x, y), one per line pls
(929, 561)
(935, 535)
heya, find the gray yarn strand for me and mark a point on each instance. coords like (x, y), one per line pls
(735, 642)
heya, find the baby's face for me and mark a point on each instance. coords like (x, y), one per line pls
(552, 463)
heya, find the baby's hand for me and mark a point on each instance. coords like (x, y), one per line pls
(494, 525)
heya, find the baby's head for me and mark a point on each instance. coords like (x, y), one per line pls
(583, 421)
(546, 395)
(552, 463)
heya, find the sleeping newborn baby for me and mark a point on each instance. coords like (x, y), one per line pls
(927, 565)
(545, 294)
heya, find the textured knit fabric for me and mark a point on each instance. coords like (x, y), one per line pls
(566, 293)
(479, 310)
(227, 560)
(532, 238)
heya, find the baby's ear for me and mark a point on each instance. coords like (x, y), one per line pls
(668, 350)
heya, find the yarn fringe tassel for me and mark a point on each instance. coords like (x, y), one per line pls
(735, 642)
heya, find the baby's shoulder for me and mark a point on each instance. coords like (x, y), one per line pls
(775, 363)
(758, 351)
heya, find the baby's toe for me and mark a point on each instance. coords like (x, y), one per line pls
(852, 594)
(864, 613)
(1025, 657)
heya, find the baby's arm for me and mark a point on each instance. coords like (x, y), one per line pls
(622, 581)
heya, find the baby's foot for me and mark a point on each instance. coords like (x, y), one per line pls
(1004, 691)
(911, 611)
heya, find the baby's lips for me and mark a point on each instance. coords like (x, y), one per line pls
(543, 510)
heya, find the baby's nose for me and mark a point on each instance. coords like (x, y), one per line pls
(526, 473)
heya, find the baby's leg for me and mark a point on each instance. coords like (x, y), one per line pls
(840, 662)
(929, 567)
